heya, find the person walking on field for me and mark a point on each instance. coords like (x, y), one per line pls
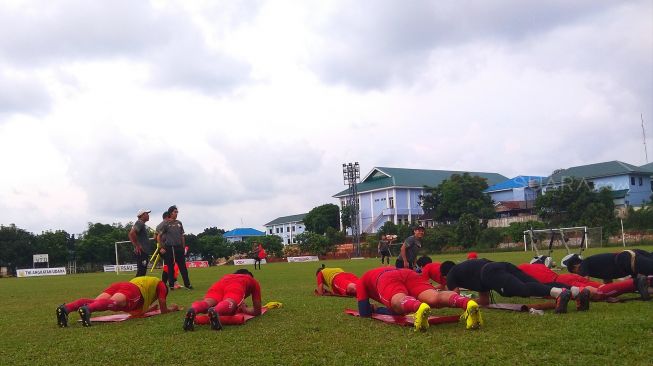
(174, 242)
(138, 235)
(384, 248)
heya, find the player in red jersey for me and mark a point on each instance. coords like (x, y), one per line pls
(134, 297)
(404, 291)
(433, 271)
(340, 282)
(226, 297)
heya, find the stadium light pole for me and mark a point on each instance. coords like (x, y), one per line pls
(351, 174)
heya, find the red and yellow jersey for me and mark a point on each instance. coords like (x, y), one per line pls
(326, 275)
(150, 290)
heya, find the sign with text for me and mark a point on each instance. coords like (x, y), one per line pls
(35, 272)
(197, 264)
(245, 261)
(121, 268)
(40, 258)
(306, 258)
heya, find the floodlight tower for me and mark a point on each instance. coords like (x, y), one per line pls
(351, 174)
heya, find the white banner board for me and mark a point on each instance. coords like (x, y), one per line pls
(306, 258)
(122, 268)
(245, 261)
(40, 258)
(35, 272)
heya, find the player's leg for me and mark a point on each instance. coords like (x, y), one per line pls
(180, 259)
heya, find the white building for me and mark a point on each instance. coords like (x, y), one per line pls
(286, 227)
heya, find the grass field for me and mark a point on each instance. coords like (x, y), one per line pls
(311, 330)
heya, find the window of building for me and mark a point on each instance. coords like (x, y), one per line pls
(632, 181)
(293, 228)
(270, 230)
(277, 230)
(391, 202)
(591, 185)
(287, 229)
(288, 240)
(641, 181)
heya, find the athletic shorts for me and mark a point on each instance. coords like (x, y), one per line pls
(400, 282)
(221, 291)
(571, 279)
(341, 281)
(131, 291)
(385, 253)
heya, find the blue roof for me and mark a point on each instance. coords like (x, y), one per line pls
(519, 181)
(242, 231)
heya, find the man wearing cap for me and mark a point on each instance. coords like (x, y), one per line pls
(636, 263)
(138, 235)
(174, 242)
(408, 252)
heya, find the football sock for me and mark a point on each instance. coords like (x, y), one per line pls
(73, 306)
(410, 304)
(200, 307)
(458, 301)
(616, 288)
(225, 307)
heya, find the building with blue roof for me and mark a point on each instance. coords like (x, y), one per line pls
(240, 234)
(516, 196)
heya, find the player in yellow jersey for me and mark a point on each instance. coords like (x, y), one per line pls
(340, 282)
(135, 297)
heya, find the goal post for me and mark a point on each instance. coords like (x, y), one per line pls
(572, 239)
(118, 251)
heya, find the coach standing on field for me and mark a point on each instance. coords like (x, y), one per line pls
(138, 236)
(174, 242)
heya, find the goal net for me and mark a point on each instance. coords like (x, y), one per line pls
(558, 242)
(125, 258)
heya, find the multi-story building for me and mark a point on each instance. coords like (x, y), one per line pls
(393, 194)
(516, 196)
(286, 227)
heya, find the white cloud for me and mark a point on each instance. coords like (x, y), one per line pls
(241, 112)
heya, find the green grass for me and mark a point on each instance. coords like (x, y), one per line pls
(311, 330)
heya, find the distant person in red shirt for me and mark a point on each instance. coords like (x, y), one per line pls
(340, 282)
(403, 291)
(135, 297)
(226, 297)
(472, 255)
(599, 291)
(433, 271)
(259, 255)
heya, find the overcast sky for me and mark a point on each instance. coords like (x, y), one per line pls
(240, 112)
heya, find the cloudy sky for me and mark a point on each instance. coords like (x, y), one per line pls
(242, 111)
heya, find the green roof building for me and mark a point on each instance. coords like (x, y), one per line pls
(392, 194)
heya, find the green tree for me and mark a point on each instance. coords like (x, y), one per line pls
(641, 219)
(345, 216)
(314, 243)
(334, 236)
(438, 237)
(97, 243)
(467, 230)
(15, 247)
(321, 217)
(55, 244)
(456, 196)
(575, 203)
(272, 244)
(211, 247)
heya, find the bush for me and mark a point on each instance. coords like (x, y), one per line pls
(489, 238)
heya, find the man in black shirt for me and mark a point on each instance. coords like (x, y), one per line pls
(138, 235)
(409, 249)
(483, 275)
(636, 263)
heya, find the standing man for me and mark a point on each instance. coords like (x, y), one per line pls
(384, 247)
(159, 245)
(173, 250)
(139, 237)
(409, 249)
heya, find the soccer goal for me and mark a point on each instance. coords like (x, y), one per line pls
(124, 250)
(572, 239)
